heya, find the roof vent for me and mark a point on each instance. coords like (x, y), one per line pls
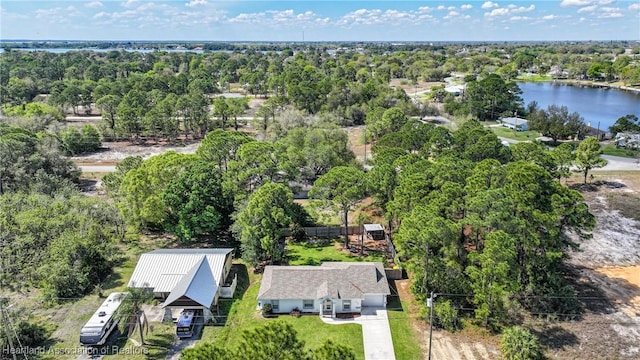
(102, 313)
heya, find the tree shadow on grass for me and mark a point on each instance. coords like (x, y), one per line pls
(394, 302)
(224, 305)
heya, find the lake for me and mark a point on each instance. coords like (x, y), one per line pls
(595, 105)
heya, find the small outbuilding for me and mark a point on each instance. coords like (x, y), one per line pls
(374, 231)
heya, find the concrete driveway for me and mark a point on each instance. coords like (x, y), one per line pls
(376, 333)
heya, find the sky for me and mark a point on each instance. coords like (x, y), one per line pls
(320, 20)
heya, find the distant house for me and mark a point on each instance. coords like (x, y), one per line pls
(455, 89)
(374, 231)
(328, 289)
(517, 123)
(186, 278)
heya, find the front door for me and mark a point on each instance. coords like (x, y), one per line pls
(327, 306)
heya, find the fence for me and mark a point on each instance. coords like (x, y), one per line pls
(326, 231)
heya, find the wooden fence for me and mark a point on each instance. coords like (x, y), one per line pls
(326, 231)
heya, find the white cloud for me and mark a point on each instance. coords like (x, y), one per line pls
(193, 3)
(497, 12)
(452, 14)
(634, 7)
(130, 3)
(94, 4)
(610, 13)
(581, 3)
(280, 17)
(590, 8)
(509, 10)
(466, 7)
(441, 7)
(489, 5)
(550, 17)
(519, 18)
(566, 3)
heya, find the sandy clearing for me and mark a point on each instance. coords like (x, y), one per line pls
(627, 280)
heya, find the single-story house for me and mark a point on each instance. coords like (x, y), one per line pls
(517, 123)
(374, 231)
(455, 89)
(328, 289)
(186, 278)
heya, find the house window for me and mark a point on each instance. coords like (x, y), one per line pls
(307, 304)
(275, 305)
(346, 305)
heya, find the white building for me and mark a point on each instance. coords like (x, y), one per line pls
(333, 287)
(186, 278)
(517, 123)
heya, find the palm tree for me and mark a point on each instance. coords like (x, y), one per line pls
(131, 309)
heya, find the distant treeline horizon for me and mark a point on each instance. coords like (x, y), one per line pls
(276, 45)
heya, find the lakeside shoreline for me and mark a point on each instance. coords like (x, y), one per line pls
(584, 83)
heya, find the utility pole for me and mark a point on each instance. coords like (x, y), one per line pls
(6, 330)
(430, 303)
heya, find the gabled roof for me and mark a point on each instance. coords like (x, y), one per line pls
(336, 280)
(162, 270)
(198, 285)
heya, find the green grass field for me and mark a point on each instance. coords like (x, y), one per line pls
(519, 135)
(314, 254)
(243, 315)
(611, 149)
(534, 78)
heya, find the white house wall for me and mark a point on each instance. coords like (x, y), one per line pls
(286, 306)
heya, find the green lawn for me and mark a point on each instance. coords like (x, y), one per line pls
(405, 340)
(519, 135)
(244, 316)
(314, 254)
(611, 149)
(534, 78)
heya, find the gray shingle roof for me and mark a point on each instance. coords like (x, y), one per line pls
(337, 280)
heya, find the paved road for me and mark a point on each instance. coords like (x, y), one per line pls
(97, 169)
(619, 163)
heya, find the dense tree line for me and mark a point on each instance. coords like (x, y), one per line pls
(475, 217)
(51, 236)
(32, 162)
(232, 177)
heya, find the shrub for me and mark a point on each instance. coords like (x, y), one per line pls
(447, 316)
(296, 312)
(297, 233)
(79, 142)
(267, 310)
(32, 333)
(519, 343)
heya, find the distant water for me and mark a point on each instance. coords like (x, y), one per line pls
(64, 50)
(595, 105)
